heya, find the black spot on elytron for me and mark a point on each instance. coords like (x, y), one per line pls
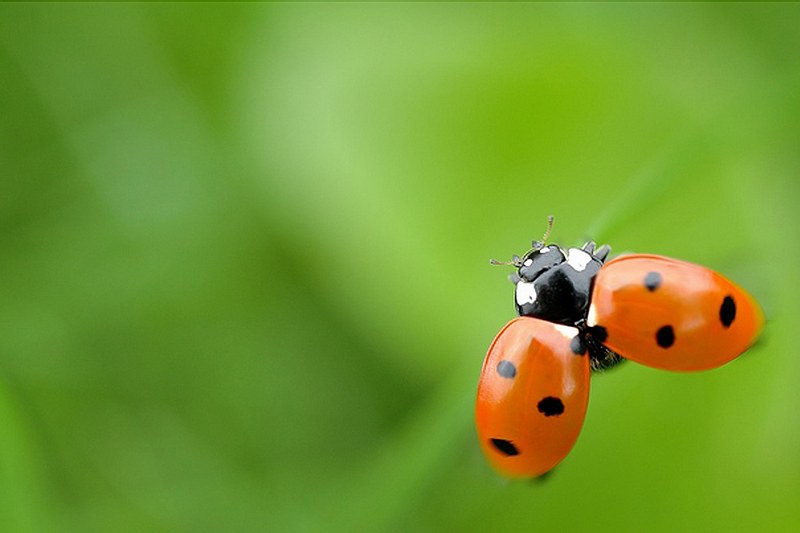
(652, 281)
(550, 406)
(727, 311)
(665, 337)
(599, 333)
(577, 345)
(505, 446)
(506, 369)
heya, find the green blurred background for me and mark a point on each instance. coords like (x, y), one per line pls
(243, 259)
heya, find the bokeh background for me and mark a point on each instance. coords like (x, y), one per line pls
(243, 259)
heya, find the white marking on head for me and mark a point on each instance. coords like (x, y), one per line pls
(578, 259)
(526, 293)
(528, 262)
(544, 250)
(591, 318)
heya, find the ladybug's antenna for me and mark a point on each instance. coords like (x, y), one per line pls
(515, 262)
(537, 245)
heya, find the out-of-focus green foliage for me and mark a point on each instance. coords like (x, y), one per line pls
(243, 259)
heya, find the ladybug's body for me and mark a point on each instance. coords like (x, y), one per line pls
(576, 313)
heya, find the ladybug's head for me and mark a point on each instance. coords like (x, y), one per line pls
(537, 261)
(540, 258)
(543, 257)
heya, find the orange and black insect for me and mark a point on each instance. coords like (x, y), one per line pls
(579, 312)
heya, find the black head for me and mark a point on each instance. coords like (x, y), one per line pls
(535, 262)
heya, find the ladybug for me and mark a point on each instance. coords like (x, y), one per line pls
(580, 313)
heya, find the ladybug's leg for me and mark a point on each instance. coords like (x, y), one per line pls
(602, 252)
(601, 358)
